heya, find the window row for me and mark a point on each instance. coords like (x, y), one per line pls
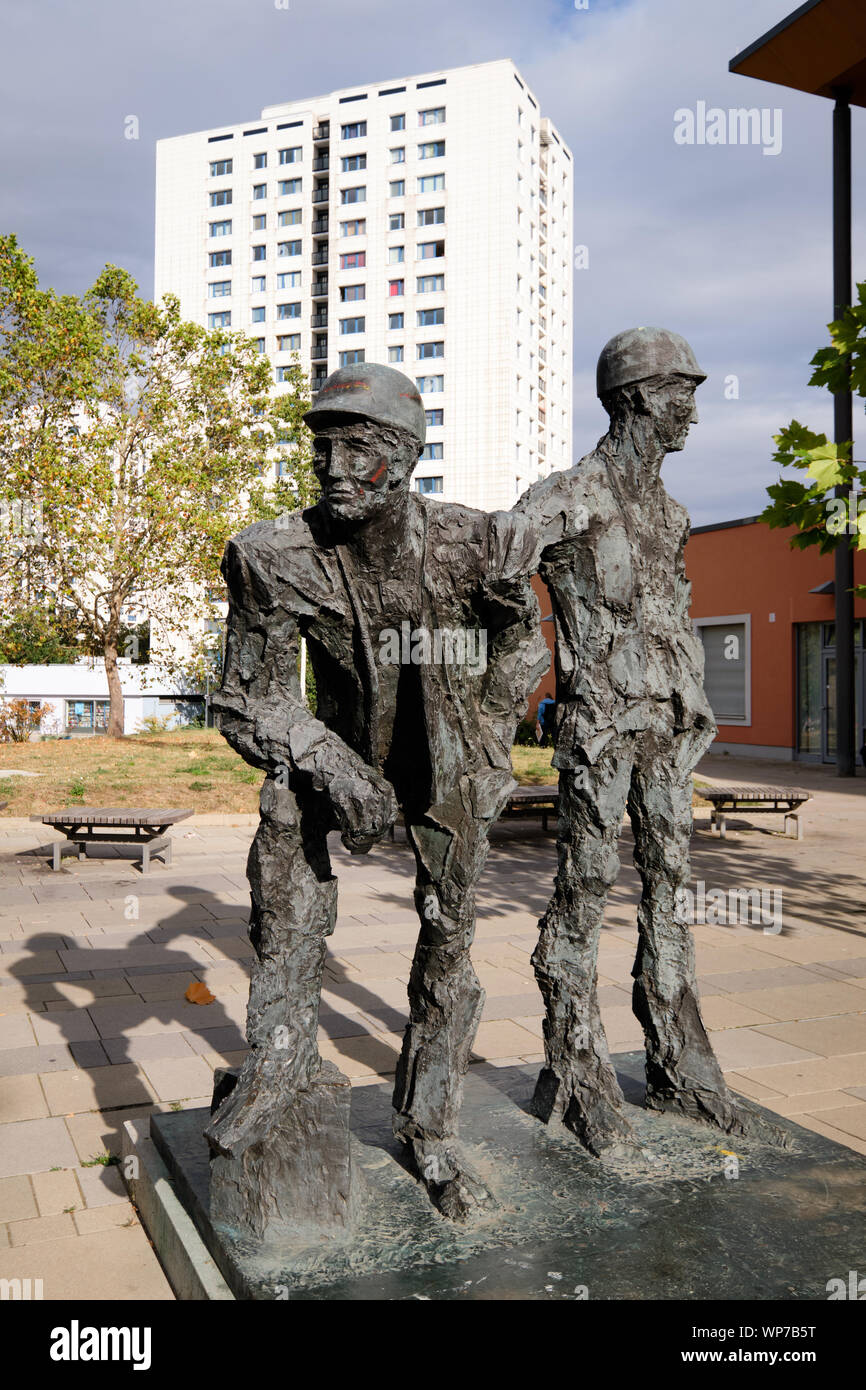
(357, 130)
(424, 251)
(424, 284)
(425, 318)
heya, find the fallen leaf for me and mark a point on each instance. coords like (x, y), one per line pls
(199, 993)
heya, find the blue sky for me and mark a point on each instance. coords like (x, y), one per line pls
(722, 243)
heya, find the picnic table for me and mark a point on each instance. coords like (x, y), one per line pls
(533, 801)
(113, 825)
(755, 801)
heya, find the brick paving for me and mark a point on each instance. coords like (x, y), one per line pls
(95, 961)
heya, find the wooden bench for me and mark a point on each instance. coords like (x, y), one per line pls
(755, 801)
(533, 801)
(112, 825)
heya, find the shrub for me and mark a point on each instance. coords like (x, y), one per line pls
(19, 719)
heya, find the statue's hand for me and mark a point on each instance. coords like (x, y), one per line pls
(366, 807)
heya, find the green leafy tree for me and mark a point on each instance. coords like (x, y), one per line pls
(821, 517)
(132, 445)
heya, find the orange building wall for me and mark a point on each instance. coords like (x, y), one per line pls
(751, 569)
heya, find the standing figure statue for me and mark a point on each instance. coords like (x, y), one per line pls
(632, 720)
(422, 631)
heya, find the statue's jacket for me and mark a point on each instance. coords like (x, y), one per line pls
(290, 578)
(627, 656)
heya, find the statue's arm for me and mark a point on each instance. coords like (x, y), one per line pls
(555, 510)
(262, 714)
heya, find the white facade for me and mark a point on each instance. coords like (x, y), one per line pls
(76, 695)
(445, 198)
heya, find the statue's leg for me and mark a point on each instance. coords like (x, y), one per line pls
(683, 1074)
(279, 1134)
(445, 999)
(578, 1084)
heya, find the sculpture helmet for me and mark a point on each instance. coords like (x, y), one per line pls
(374, 392)
(640, 353)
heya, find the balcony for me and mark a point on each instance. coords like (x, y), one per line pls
(317, 381)
(320, 225)
(320, 257)
(320, 289)
(319, 320)
(321, 195)
(323, 131)
(319, 352)
(321, 163)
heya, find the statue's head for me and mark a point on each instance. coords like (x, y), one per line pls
(369, 428)
(651, 373)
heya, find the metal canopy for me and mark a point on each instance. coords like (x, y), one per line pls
(820, 48)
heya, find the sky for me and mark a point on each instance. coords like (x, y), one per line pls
(722, 243)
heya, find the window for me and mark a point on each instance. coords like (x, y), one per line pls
(219, 258)
(349, 292)
(429, 284)
(352, 325)
(430, 383)
(432, 149)
(288, 311)
(428, 485)
(258, 344)
(260, 222)
(397, 123)
(260, 161)
(353, 260)
(355, 131)
(356, 228)
(350, 162)
(284, 373)
(348, 359)
(288, 248)
(395, 287)
(431, 451)
(259, 253)
(434, 417)
(397, 188)
(395, 321)
(398, 155)
(221, 199)
(223, 320)
(431, 183)
(291, 156)
(286, 187)
(289, 280)
(87, 714)
(396, 221)
(260, 190)
(428, 217)
(426, 317)
(727, 666)
(354, 195)
(430, 250)
(220, 228)
(257, 315)
(434, 116)
(259, 283)
(289, 342)
(431, 350)
(395, 255)
(292, 217)
(395, 354)
(220, 168)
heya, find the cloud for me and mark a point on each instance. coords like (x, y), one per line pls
(728, 246)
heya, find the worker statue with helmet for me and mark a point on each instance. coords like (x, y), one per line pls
(632, 720)
(373, 577)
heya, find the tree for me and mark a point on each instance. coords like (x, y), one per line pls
(133, 444)
(821, 519)
(35, 636)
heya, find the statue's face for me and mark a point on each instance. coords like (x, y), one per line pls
(672, 405)
(357, 469)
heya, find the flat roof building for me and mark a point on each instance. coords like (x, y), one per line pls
(424, 222)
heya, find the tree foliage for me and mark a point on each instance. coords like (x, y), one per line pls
(821, 517)
(132, 445)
